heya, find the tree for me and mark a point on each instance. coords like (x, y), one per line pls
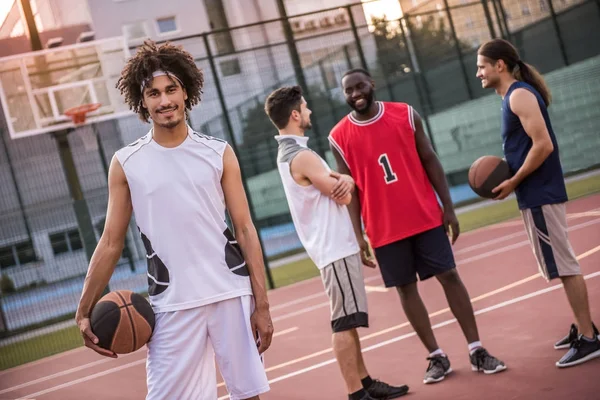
(432, 42)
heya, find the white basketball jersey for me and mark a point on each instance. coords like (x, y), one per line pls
(323, 226)
(179, 207)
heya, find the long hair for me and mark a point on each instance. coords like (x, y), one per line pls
(500, 49)
(151, 57)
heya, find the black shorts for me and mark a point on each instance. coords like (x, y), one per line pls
(425, 254)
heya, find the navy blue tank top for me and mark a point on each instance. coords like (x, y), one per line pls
(545, 185)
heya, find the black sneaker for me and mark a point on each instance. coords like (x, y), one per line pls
(439, 367)
(367, 397)
(483, 361)
(565, 342)
(582, 350)
(381, 390)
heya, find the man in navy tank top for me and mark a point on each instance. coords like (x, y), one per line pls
(532, 153)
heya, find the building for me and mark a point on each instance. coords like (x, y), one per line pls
(39, 237)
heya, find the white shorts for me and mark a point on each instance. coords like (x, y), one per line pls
(547, 230)
(182, 350)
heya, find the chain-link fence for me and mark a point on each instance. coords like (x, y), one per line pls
(426, 58)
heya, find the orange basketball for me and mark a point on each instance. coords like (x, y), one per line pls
(486, 173)
(123, 321)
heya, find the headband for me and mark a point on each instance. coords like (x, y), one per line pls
(156, 73)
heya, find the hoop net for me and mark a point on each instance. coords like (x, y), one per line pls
(79, 113)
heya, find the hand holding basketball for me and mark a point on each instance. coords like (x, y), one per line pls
(260, 321)
(90, 340)
(504, 189)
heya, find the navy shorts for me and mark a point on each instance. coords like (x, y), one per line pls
(425, 254)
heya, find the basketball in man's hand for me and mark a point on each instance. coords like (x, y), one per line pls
(123, 321)
(486, 173)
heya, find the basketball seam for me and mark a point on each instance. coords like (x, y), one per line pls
(130, 320)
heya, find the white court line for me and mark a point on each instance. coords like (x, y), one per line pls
(575, 227)
(62, 373)
(330, 361)
(102, 361)
(84, 379)
(458, 262)
(436, 326)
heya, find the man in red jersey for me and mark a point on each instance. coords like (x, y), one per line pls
(383, 146)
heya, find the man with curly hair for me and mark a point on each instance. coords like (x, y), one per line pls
(206, 286)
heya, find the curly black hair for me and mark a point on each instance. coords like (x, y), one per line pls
(167, 57)
(280, 104)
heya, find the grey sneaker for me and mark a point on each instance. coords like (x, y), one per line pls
(582, 350)
(483, 361)
(439, 367)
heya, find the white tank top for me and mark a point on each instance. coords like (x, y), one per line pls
(323, 226)
(179, 208)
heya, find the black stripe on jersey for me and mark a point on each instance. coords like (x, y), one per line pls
(233, 255)
(158, 273)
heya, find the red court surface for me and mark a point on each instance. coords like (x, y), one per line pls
(519, 315)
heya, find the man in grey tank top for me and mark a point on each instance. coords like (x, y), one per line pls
(317, 198)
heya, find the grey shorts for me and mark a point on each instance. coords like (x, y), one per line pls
(546, 227)
(345, 286)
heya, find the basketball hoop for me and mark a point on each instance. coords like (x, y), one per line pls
(79, 113)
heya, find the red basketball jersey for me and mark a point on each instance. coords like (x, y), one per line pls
(396, 196)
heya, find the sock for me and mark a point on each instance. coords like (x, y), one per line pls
(367, 382)
(357, 395)
(438, 352)
(587, 339)
(474, 346)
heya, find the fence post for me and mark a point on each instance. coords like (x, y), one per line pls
(501, 14)
(359, 49)
(17, 190)
(348, 58)
(458, 50)
(105, 167)
(419, 79)
(561, 44)
(488, 18)
(235, 149)
(298, 72)
(327, 88)
(82, 212)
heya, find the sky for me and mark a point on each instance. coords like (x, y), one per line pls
(5, 6)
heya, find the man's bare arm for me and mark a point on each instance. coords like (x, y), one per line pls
(525, 105)
(437, 177)
(247, 237)
(354, 211)
(307, 165)
(108, 251)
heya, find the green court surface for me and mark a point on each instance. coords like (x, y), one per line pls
(69, 338)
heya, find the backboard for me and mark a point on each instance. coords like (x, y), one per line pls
(37, 87)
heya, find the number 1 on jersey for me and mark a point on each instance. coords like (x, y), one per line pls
(390, 176)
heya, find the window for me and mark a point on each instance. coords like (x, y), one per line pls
(17, 254)
(65, 242)
(230, 67)
(166, 25)
(525, 9)
(135, 30)
(543, 5)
